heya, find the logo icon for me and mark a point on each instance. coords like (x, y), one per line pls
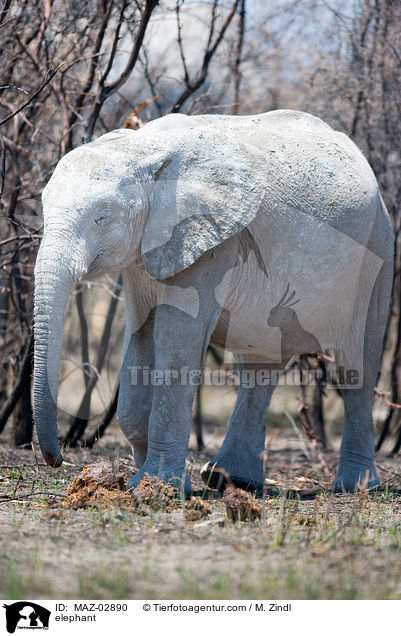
(26, 615)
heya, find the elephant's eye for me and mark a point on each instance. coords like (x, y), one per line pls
(103, 218)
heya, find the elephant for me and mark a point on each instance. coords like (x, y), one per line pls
(211, 219)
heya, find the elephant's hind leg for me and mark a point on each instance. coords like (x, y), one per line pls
(357, 464)
(241, 456)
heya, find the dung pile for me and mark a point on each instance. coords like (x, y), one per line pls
(98, 486)
(241, 505)
(152, 493)
(196, 509)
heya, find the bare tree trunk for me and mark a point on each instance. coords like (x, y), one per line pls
(198, 418)
(310, 410)
(80, 422)
(22, 428)
(394, 414)
(24, 378)
(314, 398)
(3, 331)
(105, 422)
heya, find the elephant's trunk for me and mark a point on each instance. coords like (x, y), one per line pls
(53, 282)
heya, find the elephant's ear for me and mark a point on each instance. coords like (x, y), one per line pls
(206, 187)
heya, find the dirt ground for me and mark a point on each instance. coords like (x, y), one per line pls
(308, 544)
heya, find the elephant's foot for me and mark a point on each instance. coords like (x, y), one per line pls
(247, 474)
(139, 444)
(182, 482)
(139, 456)
(352, 477)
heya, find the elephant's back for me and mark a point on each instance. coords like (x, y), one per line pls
(283, 120)
(297, 145)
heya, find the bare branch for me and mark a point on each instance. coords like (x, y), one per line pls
(180, 44)
(2, 166)
(106, 90)
(48, 79)
(4, 10)
(238, 57)
(211, 50)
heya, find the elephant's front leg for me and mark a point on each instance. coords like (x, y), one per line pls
(135, 395)
(180, 346)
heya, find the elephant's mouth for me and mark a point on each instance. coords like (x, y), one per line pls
(100, 265)
(95, 268)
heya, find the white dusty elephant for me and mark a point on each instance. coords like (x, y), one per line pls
(265, 235)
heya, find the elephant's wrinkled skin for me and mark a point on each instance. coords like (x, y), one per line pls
(264, 234)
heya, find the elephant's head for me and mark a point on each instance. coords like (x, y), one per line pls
(164, 197)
